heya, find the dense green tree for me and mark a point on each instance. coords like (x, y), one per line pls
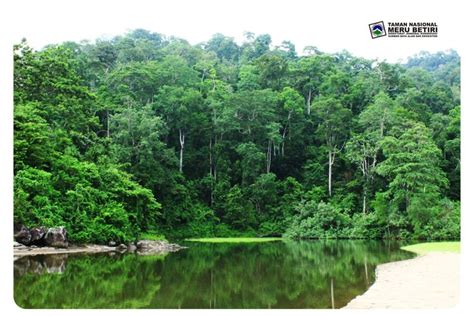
(309, 73)
(224, 47)
(145, 132)
(413, 169)
(179, 106)
(55, 130)
(332, 129)
(293, 104)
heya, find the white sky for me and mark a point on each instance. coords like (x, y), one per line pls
(329, 25)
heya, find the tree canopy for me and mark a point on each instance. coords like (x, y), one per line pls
(148, 133)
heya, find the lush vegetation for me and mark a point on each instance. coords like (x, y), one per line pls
(147, 133)
(449, 246)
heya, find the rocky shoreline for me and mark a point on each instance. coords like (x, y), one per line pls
(142, 247)
(48, 241)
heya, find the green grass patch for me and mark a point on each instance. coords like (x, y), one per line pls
(151, 236)
(235, 239)
(423, 248)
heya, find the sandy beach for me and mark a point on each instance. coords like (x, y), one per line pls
(427, 281)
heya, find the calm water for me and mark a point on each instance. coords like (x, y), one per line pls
(283, 274)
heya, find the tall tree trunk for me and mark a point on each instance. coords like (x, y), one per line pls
(269, 156)
(283, 142)
(331, 158)
(181, 151)
(286, 130)
(308, 102)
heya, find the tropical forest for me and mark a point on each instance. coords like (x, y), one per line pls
(144, 134)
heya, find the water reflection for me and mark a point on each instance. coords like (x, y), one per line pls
(41, 264)
(290, 274)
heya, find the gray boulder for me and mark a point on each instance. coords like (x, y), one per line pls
(156, 246)
(37, 235)
(56, 237)
(23, 235)
(150, 244)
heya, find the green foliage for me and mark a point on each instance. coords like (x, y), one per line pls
(151, 236)
(144, 133)
(365, 226)
(34, 195)
(416, 179)
(239, 213)
(252, 162)
(55, 184)
(319, 221)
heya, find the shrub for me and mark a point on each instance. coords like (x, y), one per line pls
(319, 220)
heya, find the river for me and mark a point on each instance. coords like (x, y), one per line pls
(280, 274)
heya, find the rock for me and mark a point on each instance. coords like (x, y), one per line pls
(132, 248)
(56, 237)
(37, 235)
(121, 247)
(148, 244)
(19, 247)
(29, 237)
(112, 243)
(23, 235)
(156, 246)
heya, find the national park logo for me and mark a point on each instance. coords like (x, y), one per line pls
(377, 29)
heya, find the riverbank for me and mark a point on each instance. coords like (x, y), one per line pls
(142, 247)
(19, 252)
(430, 280)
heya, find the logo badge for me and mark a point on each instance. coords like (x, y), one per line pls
(377, 29)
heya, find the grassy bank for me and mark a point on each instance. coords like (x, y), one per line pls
(235, 239)
(151, 236)
(423, 248)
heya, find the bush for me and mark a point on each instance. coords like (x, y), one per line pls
(96, 203)
(445, 224)
(319, 221)
(365, 226)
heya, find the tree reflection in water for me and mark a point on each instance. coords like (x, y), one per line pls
(288, 274)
